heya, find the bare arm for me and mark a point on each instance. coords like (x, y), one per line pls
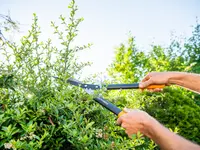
(168, 140)
(187, 80)
(136, 120)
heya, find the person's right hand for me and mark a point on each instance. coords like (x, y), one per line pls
(155, 78)
(135, 121)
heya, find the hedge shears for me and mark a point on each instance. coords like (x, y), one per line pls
(89, 88)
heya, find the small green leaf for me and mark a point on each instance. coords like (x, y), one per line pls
(89, 125)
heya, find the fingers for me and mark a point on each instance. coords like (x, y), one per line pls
(143, 85)
(119, 120)
(123, 125)
(158, 90)
(147, 77)
(155, 90)
(124, 116)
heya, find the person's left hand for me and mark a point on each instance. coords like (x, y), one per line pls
(133, 121)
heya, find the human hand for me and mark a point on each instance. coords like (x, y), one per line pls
(155, 78)
(135, 121)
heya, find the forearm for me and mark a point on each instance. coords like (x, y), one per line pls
(168, 140)
(188, 80)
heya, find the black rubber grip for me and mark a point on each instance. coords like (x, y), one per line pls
(122, 86)
(108, 105)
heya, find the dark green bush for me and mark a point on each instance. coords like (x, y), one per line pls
(175, 109)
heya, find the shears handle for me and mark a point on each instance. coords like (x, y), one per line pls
(121, 113)
(111, 107)
(132, 86)
(159, 86)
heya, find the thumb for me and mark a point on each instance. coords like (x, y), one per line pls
(127, 110)
(143, 85)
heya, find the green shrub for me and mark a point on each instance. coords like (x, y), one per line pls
(175, 109)
(39, 112)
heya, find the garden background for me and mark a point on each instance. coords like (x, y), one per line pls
(39, 112)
